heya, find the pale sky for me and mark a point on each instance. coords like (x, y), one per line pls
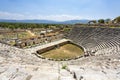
(59, 10)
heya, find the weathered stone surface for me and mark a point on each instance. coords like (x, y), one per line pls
(20, 64)
(97, 68)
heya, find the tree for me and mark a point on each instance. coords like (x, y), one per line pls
(11, 27)
(117, 19)
(107, 21)
(101, 21)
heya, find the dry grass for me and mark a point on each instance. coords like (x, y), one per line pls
(65, 51)
(21, 35)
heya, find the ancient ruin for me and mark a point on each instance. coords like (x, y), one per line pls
(101, 60)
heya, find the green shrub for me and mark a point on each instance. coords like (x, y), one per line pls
(64, 67)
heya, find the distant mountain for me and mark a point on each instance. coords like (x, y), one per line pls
(45, 21)
(27, 21)
(75, 21)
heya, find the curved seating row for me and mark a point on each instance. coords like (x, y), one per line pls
(96, 40)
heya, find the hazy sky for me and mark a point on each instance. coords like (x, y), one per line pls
(59, 9)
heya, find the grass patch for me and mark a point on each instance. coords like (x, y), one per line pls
(64, 52)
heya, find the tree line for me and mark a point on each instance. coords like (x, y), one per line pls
(106, 21)
(29, 25)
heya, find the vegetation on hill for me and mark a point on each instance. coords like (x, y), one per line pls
(29, 25)
(105, 22)
(117, 20)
